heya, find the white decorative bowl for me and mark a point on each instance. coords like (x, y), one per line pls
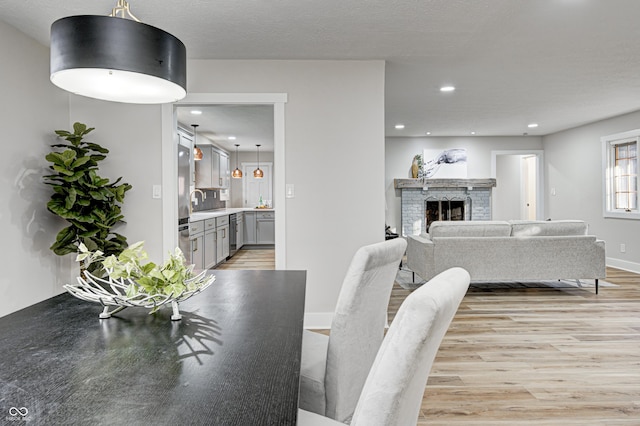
(113, 292)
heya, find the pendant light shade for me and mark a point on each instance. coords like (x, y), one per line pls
(237, 173)
(257, 173)
(197, 152)
(117, 59)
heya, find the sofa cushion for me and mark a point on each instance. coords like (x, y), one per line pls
(471, 228)
(553, 228)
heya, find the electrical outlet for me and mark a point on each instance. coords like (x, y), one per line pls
(623, 248)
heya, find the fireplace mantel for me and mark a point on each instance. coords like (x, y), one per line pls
(444, 183)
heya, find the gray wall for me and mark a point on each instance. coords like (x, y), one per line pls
(334, 156)
(31, 109)
(399, 153)
(133, 135)
(506, 195)
(574, 168)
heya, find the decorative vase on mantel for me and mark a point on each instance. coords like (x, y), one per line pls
(416, 166)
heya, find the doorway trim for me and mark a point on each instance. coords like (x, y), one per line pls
(539, 154)
(170, 166)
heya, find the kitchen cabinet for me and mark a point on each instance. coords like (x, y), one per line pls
(249, 227)
(222, 238)
(210, 249)
(213, 170)
(224, 170)
(196, 239)
(265, 228)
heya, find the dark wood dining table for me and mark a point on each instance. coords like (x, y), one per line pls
(233, 358)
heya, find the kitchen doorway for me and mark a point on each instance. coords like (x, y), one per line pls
(169, 165)
(518, 193)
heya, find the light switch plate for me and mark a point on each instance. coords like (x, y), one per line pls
(157, 191)
(289, 190)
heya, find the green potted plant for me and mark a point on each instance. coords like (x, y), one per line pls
(90, 203)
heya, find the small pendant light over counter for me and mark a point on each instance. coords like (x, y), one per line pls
(197, 152)
(117, 59)
(237, 173)
(257, 173)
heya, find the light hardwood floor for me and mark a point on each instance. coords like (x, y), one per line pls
(251, 259)
(540, 356)
(532, 356)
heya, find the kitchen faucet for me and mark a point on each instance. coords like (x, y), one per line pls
(191, 195)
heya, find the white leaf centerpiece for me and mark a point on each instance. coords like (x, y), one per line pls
(132, 283)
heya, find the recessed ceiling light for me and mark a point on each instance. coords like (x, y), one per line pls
(532, 125)
(428, 133)
(399, 126)
(473, 133)
(196, 112)
(447, 88)
(232, 138)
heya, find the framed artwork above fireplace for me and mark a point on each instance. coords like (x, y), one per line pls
(448, 163)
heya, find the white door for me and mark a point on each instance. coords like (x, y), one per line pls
(253, 188)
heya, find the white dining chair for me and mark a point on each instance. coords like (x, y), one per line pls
(335, 367)
(393, 392)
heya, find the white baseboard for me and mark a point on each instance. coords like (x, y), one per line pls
(318, 320)
(624, 265)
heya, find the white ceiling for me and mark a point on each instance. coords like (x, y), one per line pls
(249, 124)
(559, 63)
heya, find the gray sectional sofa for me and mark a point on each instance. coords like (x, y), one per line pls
(514, 250)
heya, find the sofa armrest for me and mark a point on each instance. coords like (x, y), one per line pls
(420, 255)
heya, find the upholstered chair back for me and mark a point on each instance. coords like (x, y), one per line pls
(358, 324)
(393, 392)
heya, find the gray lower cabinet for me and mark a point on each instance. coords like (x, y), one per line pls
(265, 228)
(210, 258)
(222, 238)
(196, 237)
(250, 227)
(259, 227)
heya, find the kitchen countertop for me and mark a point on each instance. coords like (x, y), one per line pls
(209, 214)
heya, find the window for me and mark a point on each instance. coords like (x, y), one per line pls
(620, 160)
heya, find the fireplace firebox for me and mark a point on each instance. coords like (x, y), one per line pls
(444, 209)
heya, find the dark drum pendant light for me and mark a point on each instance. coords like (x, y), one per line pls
(237, 173)
(117, 59)
(197, 152)
(257, 173)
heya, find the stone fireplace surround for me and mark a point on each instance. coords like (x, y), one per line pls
(415, 192)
